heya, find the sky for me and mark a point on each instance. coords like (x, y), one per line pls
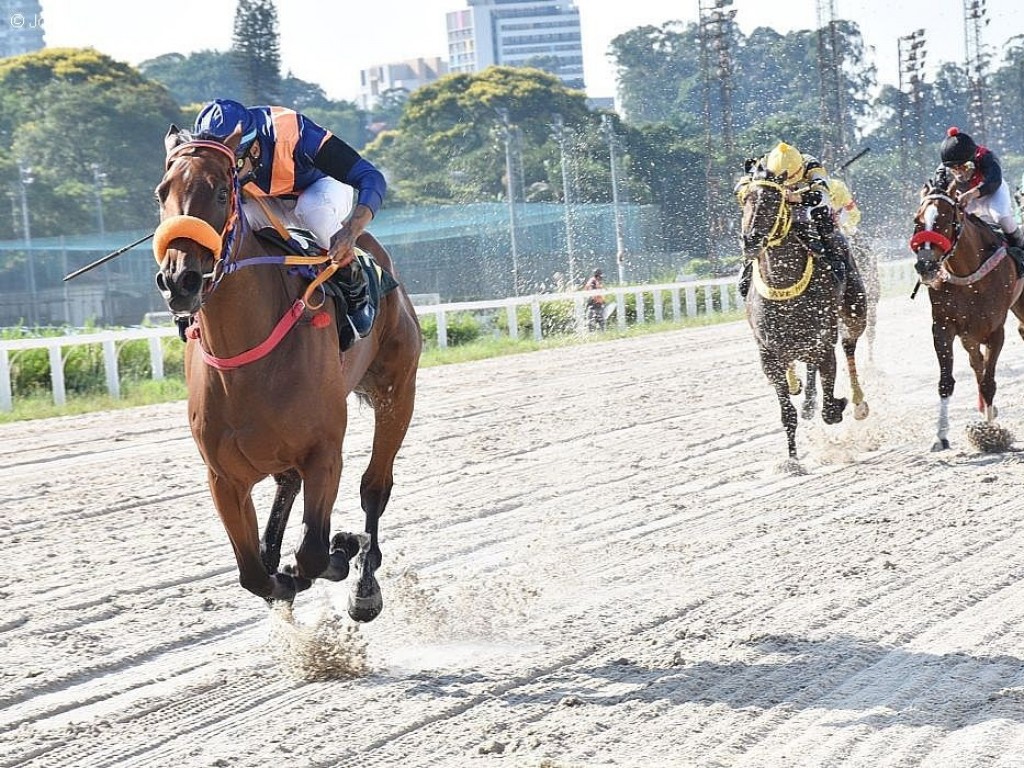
(328, 41)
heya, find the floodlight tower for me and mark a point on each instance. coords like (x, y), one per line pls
(830, 79)
(912, 54)
(975, 20)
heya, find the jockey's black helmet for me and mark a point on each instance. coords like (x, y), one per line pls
(957, 148)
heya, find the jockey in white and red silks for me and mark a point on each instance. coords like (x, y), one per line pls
(979, 181)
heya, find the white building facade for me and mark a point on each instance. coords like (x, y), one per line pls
(407, 76)
(517, 33)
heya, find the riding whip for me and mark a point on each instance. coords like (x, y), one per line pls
(106, 258)
(853, 160)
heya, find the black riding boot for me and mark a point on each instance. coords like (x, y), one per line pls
(354, 286)
(1015, 240)
(746, 275)
(833, 245)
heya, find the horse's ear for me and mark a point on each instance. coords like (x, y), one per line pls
(171, 139)
(924, 190)
(234, 139)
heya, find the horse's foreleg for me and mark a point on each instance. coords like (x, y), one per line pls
(984, 365)
(810, 404)
(832, 407)
(793, 381)
(392, 414)
(777, 375)
(288, 485)
(238, 515)
(321, 474)
(943, 343)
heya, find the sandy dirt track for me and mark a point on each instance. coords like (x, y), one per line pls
(593, 557)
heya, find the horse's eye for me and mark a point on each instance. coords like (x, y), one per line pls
(222, 196)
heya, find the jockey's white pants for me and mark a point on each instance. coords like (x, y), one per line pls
(322, 208)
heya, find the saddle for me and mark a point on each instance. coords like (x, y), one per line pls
(379, 281)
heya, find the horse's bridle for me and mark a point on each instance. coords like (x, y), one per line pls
(927, 237)
(220, 244)
(783, 216)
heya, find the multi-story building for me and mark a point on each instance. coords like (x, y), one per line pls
(21, 27)
(517, 33)
(406, 75)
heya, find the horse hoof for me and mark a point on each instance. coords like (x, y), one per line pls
(283, 590)
(861, 411)
(940, 445)
(300, 582)
(808, 409)
(346, 544)
(365, 609)
(834, 414)
(338, 568)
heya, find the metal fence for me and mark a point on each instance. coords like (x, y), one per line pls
(654, 302)
(459, 252)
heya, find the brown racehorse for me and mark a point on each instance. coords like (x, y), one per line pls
(972, 283)
(793, 306)
(267, 384)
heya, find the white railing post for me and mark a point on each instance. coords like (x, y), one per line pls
(639, 307)
(676, 309)
(110, 364)
(659, 311)
(156, 357)
(513, 321)
(538, 332)
(442, 328)
(6, 400)
(691, 301)
(620, 309)
(57, 374)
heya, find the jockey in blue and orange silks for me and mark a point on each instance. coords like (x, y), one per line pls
(980, 184)
(303, 175)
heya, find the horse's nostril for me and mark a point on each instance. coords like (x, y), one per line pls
(191, 282)
(161, 282)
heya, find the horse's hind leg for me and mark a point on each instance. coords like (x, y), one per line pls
(288, 485)
(392, 408)
(860, 406)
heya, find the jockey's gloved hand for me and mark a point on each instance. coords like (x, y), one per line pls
(749, 164)
(811, 198)
(822, 216)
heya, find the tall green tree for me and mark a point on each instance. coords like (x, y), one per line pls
(69, 115)
(256, 46)
(198, 77)
(449, 145)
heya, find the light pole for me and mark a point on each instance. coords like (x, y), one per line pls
(99, 180)
(911, 54)
(620, 245)
(25, 178)
(506, 135)
(558, 128)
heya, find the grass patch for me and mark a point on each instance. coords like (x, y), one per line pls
(147, 392)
